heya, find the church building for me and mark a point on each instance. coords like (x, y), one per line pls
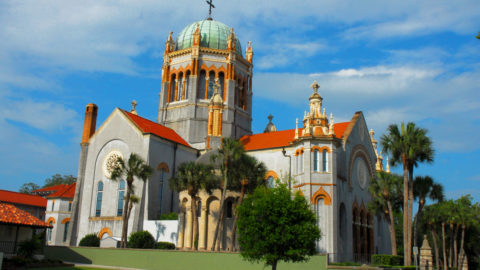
(206, 94)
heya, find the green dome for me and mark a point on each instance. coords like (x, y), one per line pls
(213, 35)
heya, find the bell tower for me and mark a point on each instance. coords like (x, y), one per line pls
(204, 54)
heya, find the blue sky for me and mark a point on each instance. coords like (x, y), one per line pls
(394, 60)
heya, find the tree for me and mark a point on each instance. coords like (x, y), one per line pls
(135, 167)
(425, 187)
(408, 146)
(478, 35)
(58, 179)
(275, 226)
(386, 190)
(192, 177)
(247, 176)
(229, 153)
(28, 188)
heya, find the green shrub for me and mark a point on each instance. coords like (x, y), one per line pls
(169, 216)
(386, 260)
(90, 240)
(346, 263)
(165, 245)
(28, 247)
(141, 239)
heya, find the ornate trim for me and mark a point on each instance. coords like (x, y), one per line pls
(105, 230)
(320, 149)
(321, 194)
(65, 220)
(272, 174)
(115, 218)
(51, 219)
(313, 184)
(359, 151)
(163, 167)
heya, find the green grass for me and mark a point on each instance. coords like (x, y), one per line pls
(70, 268)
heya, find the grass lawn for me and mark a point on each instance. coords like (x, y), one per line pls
(71, 268)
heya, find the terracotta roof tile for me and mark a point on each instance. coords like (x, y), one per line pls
(52, 188)
(22, 198)
(148, 126)
(68, 191)
(277, 139)
(12, 215)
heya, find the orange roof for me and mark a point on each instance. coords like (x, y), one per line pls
(277, 139)
(22, 198)
(68, 191)
(267, 140)
(340, 128)
(12, 215)
(51, 188)
(148, 126)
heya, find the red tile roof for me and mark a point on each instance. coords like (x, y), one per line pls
(12, 215)
(267, 140)
(22, 198)
(277, 139)
(68, 191)
(52, 188)
(148, 126)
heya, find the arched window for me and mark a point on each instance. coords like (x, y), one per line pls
(187, 84)
(201, 85)
(53, 204)
(65, 231)
(180, 86)
(229, 209)
(270, 182)
(121, 195)
(172, 88)
(49, 232)
(211, 82)
(221, 78)
(315, 160)
(199, 207)
(98, 208)
(325, 161)
(301, 162)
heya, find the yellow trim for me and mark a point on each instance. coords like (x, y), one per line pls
(321, 194)
(104, 231)
(65, 220)
(105, 218)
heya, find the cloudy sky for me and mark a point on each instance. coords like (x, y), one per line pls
(394, 60)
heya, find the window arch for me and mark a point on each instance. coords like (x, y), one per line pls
(98, 207)
(179, 93)
(121, 195)
(49, 232)
(163, 168)
(172, 88)
(315, 160)
(221, 79)
(211, 82)
(187, 85)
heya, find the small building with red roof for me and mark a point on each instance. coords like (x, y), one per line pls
(17, 225)
(58, 213)
(33, 204)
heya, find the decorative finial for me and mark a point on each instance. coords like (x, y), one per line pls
(216, 86)
(324, 112)
(209, 2)
(270, 117)
(170, 36)
(134, 104)
(296, 129)
(315, 86)
(372, 132)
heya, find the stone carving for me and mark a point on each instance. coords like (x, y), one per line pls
(110, 162)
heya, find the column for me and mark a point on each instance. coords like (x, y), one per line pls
(202, 229)
(187, 243)
(181, 230)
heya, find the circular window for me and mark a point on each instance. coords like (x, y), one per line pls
(110, 162)
(362, 172)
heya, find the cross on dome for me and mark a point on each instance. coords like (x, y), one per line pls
(210, 4)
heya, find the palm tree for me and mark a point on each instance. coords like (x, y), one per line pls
(386, 190)
(407, 145)
(432, 218)
(247, 176)
(229, 153)
(425, 187)
(192, 177)
(134, 168)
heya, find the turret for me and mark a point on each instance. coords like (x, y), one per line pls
(90, 122)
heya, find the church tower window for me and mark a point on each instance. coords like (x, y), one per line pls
(229, 209)
(221, 78)
(172, 88)
(211, 82)
(121, 195)
(315, 160)
(65, 231)
(186, 87)
(325, 161)
(98, 208)
(202, 84)
(180, 87)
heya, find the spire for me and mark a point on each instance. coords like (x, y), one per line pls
(231, 41)
(296, 130)
(330, 128)
(249, 53)
(134, 104)
(388, 166)
(315, 87)
(170, 44)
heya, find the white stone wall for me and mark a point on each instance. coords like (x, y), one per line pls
(162, 230)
